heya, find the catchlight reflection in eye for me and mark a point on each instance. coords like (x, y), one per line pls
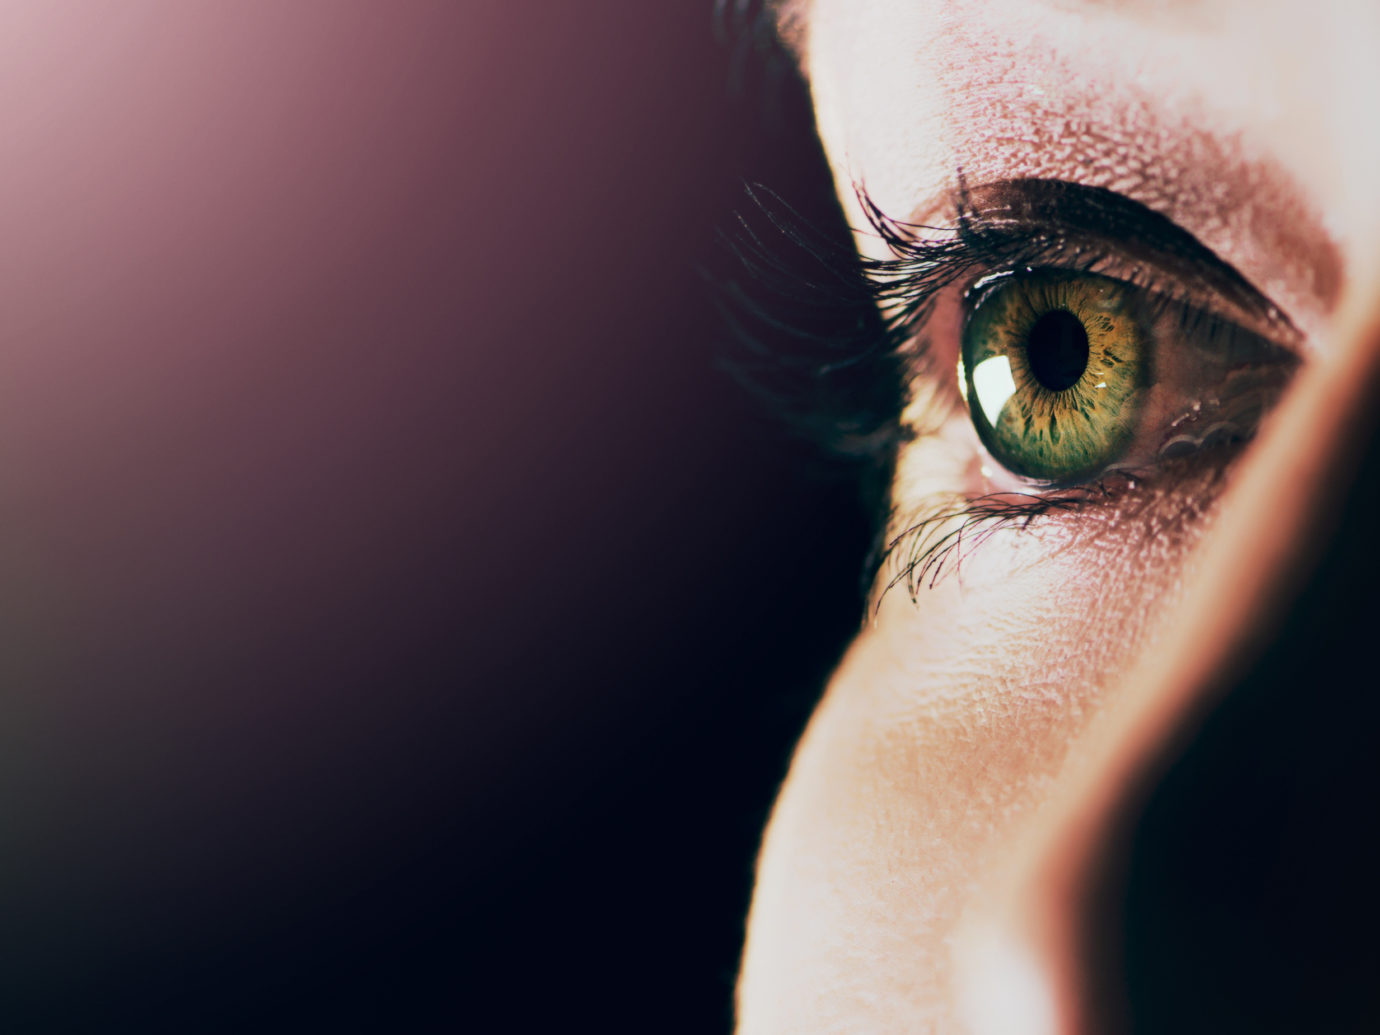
(1058, 367)
(993, 386)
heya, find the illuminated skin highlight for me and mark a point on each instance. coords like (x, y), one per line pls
(971, 742)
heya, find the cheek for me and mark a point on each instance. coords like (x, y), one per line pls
(1013, 617)
(948, 722)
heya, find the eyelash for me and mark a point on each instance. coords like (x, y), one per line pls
(854, 339)
(905, 288)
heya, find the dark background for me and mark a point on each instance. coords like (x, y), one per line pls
(409, 617)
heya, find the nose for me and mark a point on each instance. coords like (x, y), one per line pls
(1213, 863)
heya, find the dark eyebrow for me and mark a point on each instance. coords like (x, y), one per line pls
(1059, 209)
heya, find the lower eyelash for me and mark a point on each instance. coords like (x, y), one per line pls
(932, 545)
(936, 543)
(832, 338)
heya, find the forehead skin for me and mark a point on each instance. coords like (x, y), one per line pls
(953, 716)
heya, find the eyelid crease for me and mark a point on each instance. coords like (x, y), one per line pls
(1024, 223)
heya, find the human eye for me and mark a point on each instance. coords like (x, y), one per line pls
(1066, 349)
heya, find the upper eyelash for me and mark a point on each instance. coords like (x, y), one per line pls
(811, 339)
(854, 334)
(926, 260)
(905, 287)
(1029, 223)
(826, 335)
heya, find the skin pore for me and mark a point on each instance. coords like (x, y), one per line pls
(948, 777)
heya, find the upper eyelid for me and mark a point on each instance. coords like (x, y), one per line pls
(1007, 226)
(996, 222)
(1047, 220)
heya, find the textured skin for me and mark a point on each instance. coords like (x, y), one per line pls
(955, 716)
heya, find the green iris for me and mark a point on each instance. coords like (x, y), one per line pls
(1055, 367)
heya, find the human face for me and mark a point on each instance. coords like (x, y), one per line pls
(965, 769)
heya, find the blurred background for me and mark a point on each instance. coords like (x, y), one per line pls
(408, 617)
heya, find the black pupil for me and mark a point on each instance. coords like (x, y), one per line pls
(1058, 350)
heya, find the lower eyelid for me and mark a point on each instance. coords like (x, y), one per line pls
(949, 495)
(948, 502)
(932, 540)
